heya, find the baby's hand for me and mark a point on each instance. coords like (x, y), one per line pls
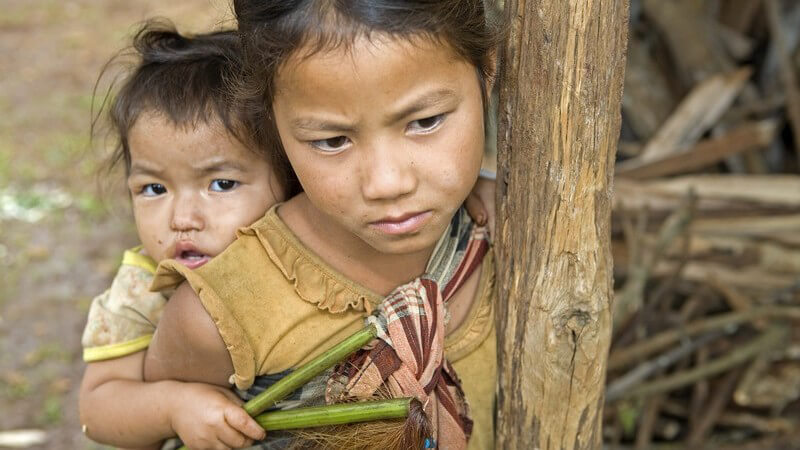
(480, 204)
(211, 417)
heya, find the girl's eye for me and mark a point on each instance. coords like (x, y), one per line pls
(331, 145)
(153, 190)
(426, 125)
(223, 185)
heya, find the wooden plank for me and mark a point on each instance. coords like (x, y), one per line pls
(749, 136)
(695, 115)
(779, 192)
(748, 226)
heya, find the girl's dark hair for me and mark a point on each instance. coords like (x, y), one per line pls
(186, 79)
(272, 30)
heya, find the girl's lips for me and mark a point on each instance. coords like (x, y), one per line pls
(405, 224)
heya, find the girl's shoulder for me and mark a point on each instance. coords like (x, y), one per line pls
(266, 258)
(314, 280)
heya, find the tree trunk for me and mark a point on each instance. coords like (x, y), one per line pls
(561, 88)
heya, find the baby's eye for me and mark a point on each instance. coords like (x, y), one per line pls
(426, 125)
(221, 185)
(331, 145)
(153, 190)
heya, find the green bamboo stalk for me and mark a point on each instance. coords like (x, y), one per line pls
(338, 414)
(308, 371)
(290, 383)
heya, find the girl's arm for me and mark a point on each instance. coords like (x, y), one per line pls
(186, 345)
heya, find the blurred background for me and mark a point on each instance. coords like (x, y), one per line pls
(63, 221)
(706, 222)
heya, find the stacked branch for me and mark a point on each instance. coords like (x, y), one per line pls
(706, 229)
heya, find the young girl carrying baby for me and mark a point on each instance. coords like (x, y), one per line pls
(379, 108)
(193, 183)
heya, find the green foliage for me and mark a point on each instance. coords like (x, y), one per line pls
(628, 415)
(51, 411)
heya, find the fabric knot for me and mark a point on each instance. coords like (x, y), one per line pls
(407, 358)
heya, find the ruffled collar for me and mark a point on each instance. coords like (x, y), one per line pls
(314, 280)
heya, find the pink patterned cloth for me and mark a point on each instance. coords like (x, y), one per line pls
(408, 357)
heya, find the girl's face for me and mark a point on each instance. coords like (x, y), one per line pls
(386, 137)
(193, 187)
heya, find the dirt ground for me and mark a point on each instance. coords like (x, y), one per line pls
(62, 227)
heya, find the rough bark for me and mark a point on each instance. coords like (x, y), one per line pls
(561, 88)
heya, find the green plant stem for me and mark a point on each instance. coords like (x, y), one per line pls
(338, 414)
(308, 371)
(290, 383)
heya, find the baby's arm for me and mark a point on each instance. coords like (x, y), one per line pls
(119, 408)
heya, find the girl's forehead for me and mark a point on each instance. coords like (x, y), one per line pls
(366, 54)
(373, 82)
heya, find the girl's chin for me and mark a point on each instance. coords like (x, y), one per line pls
(401, 244)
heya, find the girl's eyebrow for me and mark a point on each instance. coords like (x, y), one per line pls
(308, 123)
(422, 102)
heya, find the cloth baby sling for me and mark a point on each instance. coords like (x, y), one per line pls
(407, 358)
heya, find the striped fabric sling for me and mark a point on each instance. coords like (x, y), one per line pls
(408, 356)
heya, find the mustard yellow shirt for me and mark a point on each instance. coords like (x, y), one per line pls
(277, 305)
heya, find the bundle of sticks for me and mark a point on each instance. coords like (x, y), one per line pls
(706, 229)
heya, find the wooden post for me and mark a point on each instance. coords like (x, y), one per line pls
(561, 87)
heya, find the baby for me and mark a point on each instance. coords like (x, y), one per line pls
(193, 182)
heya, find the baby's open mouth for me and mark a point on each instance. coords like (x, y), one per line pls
(188, 254)
(192, 258)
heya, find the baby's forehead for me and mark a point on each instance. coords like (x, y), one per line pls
(155, 130)
(209, 121)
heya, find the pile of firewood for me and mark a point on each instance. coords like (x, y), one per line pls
(706, 228)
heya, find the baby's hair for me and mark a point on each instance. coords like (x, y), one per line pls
(273, 30)
(184, 78)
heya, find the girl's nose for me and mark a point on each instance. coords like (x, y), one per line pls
(387, 172)
(187, 214)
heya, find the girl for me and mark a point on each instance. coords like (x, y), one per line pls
(379, 107)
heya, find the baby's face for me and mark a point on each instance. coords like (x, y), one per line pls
(192, 187)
